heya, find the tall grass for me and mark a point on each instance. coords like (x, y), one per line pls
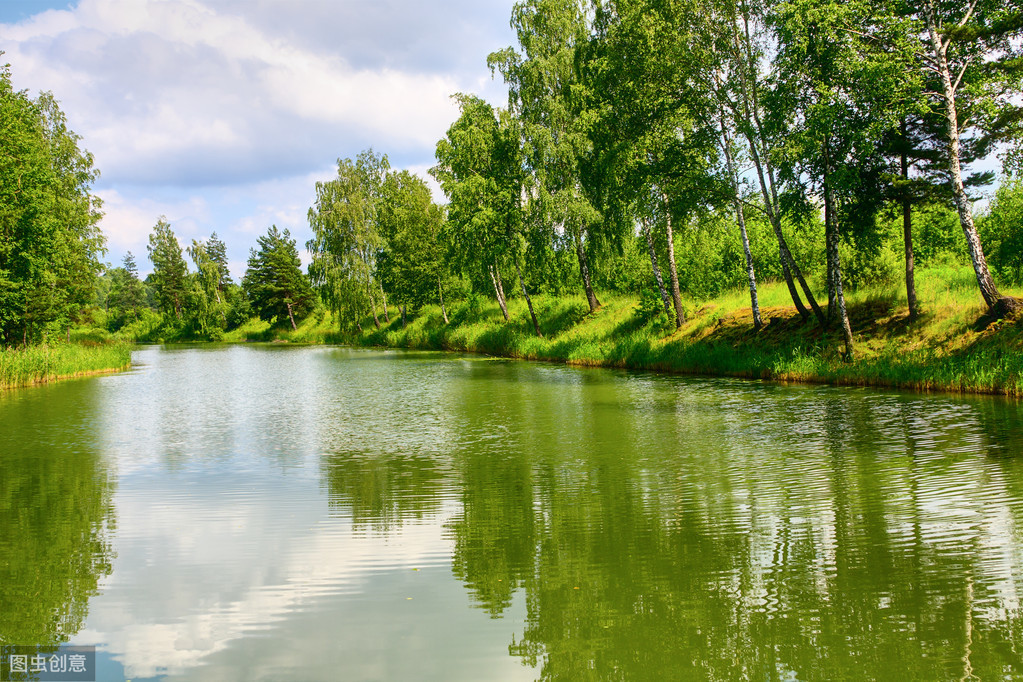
(39, 364)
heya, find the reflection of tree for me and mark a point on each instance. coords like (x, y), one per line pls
(55, 507)
(495, 534)
(878, 541)
(380, 491)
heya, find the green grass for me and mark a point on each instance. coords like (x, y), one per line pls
(40, 364)
(949, 347)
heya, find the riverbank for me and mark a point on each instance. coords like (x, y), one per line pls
(950, 347)
(42, 364)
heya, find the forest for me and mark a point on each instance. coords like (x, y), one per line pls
(664, 151)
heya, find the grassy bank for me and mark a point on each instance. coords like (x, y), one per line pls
(40, 364)
(949, 347)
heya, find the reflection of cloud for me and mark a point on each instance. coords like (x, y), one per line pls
(298, 563)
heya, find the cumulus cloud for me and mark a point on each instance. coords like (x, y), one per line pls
(192, 93)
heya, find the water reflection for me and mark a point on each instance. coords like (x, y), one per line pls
(776, 533)
(331, 514)
(55, 515)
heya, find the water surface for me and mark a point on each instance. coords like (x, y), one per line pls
(268, 513)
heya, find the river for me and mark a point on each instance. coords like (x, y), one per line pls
(271, 513)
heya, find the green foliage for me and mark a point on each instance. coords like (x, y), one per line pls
(274, 283)
(168, 279)
(207, 304)
(937, 236)
(1002, 229)
(412, 264)
(548, 100)
(42, 363)
(479, 167)
(126, 296)
(942, 352)
(346, 237)
(49, 239)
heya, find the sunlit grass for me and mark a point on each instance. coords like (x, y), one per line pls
(946, 348)
(39, 364)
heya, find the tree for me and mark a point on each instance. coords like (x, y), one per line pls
(217, 252)
(346, 238)
(207, 304)
(742, 42)
(274, 282)
(50, 242)
(480, 168)
(169, 268)
(658, 128)
(411, 264)
(847, 95)
(973, 50)
(126, 295)
(548, 96)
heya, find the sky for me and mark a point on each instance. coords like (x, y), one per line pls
(223, 114)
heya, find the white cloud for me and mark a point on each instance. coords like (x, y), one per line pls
(127, 222)
(188, 93)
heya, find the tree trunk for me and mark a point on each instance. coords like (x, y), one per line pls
(443, 310)
(220, 304)
(383, 295)
(657, 271)
(529, 301)
(788, 263)
(584, 270)
(372, 302)
(753, 128)
(291, 317)
(676, 295)
(829, 268)
(402, 315)
(832, 238)
(799, 278)
(907, 229)
(740, 217)
(499, 291)
(939, 49)
(500, 284)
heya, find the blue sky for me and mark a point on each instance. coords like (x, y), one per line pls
(222, 114)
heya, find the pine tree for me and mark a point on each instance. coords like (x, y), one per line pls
(274, 282)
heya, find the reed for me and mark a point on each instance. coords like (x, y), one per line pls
(43, 363)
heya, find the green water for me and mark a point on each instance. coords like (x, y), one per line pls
(265, 513)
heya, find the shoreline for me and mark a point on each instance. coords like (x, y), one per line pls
(780, 379)
(951, 347)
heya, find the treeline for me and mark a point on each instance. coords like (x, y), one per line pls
(177, 302)
(811, 141)
(667, 148)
